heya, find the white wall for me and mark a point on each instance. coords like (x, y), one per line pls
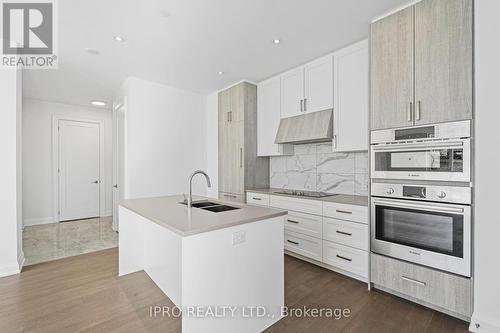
(166, 139)
(11, 255)
(213, 143)
(37, 156)
(487, 220)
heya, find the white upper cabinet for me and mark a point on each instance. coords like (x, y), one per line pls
(318, 85)
(268, 118)
(308, 88)
(350, 115)
(292, 92)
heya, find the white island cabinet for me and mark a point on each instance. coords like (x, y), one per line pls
(225, 270)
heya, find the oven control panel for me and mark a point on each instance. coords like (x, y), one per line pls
(453, 194)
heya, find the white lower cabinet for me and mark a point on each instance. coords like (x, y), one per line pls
(304, 245)
(347, 258)
(334, 235)
(258, 199)
(346, 233)
(306, 224)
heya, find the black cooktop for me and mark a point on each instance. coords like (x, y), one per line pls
(300, 193)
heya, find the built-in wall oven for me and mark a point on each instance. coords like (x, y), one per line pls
(438, 152)
(428, 225)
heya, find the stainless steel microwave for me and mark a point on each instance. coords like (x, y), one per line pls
(440, 152)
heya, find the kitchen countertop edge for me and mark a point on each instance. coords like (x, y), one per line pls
(356, 200)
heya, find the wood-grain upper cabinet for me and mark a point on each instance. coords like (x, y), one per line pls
(239, 166)
(268, 118)
(422, 65)
(392, 70)
(350, 112)
(308, 88)
(443, 61)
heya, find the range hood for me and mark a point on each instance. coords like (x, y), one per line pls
(307, 128)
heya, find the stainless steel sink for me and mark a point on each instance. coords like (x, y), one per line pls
(211, 206)
(220, 208)
(200, 204)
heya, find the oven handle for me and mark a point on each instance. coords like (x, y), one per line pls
(418, 146)
(443, 209)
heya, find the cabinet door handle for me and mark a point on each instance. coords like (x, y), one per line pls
(292, 221)
(410, 110)
(343, 258)
(301, 105)
(417, 111)
(335, 141)
(241, 157)
(294, 243)
(343, 211)
(227, 114)
(420, 283)
(343, 233)
(305, 104)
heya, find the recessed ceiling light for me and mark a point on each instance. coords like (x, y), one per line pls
(220, 72)
(98, 103)
(276, 41)
(92, 51)
(119, 39)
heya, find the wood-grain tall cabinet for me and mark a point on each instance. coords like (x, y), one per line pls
(239, 166)
(421, 65)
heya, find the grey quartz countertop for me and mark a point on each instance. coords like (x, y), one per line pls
(358, 200)
(171, 214)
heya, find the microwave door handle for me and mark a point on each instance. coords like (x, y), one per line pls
(443, 209)
(418, 146)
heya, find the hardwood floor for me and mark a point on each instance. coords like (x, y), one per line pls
(84, 294)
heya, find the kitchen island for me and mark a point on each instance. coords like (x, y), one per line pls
(223, 268)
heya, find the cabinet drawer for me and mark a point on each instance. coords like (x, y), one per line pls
(346, 233)
(346, 212)
(310, 225)
(304, 245)
(297, 204)
(346, 258)
(447, 291)
(232, 197)
(259, 199)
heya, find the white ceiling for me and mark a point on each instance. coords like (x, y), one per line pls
(184, 43)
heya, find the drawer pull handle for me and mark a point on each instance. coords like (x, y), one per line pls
(343, 233)
(344, 258)
(294, 243)
(229, 196)
(343, 211)
(420, 283)
(257, 198)
(292, 221)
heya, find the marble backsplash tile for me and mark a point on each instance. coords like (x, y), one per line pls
(314, 167)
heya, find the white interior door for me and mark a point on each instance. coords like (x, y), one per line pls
(79, 170)
(118, 161)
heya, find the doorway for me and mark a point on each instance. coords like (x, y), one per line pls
(79, 169)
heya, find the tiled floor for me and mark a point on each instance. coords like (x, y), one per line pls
(58, 240)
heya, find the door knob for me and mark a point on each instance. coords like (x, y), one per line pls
(115, 186)
(95, 182)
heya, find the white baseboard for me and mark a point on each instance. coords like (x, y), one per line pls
(107, 213)
(37, 221)
(21, 260)
(482, 325)
(9, 270)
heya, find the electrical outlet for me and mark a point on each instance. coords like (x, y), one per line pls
(239, 237)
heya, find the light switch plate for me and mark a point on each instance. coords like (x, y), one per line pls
(239, 237)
